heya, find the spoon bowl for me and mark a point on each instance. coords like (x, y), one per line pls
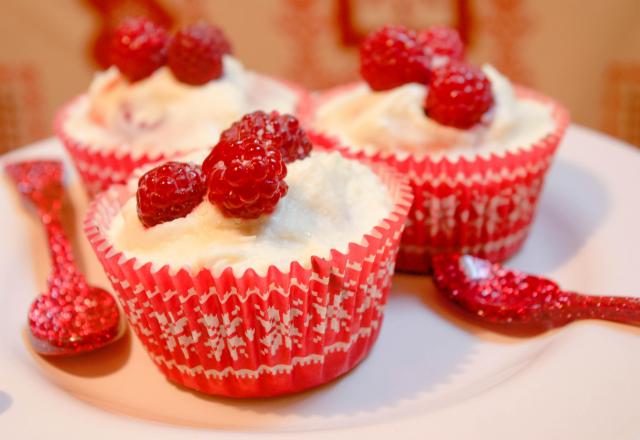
(73, 324)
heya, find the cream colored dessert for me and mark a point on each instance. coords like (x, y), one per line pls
(394, 121)
(162, 115)
(331, 202)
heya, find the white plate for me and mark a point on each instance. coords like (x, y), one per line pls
(463, 382)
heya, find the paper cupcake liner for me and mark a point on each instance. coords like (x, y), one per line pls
(100, 169)
(251, 335)
(482, 205)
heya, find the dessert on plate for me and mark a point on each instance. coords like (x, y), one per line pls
(474, 146)
(262, 271)
(163, 96)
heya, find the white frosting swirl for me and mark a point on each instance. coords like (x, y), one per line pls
(331, 202)
(162, 115)
(394, 121)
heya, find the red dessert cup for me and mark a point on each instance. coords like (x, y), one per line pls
(246, 335)
(482, 205)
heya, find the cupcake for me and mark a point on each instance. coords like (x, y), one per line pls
(163, 96)
(474, 146)
(262, 272)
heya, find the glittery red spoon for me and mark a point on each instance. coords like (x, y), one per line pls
(71, 317)
(502, 296)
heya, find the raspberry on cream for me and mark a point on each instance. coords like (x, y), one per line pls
(139, 48)
(392, 56)
(169, 191)
(245, 175)
(331, 202)
(394, 122)
(161, 115)
(443, 42)
(195, 53)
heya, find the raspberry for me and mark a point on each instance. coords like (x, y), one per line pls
(169, 191)
(281, 132)
(245, 178)
(391, 57)
(459, 94)
(195, 53)
(139, 47)
(443, 42)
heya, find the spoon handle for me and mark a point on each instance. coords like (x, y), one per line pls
(64, 271)
(621, 309)
(41, 183)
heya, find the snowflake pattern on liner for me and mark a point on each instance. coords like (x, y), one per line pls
(493, 223)
(223, 334)
(509, 208)
(217, 330)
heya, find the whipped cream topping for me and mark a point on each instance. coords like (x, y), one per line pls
(162, 115)
(394, 121)
(331, 202)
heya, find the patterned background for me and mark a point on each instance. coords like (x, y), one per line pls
(585, 53)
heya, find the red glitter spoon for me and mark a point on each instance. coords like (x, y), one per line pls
(71, 317)
(501, 296)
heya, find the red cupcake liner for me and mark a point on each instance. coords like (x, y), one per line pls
(482, 205)
(251, 335)
(100, 169)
